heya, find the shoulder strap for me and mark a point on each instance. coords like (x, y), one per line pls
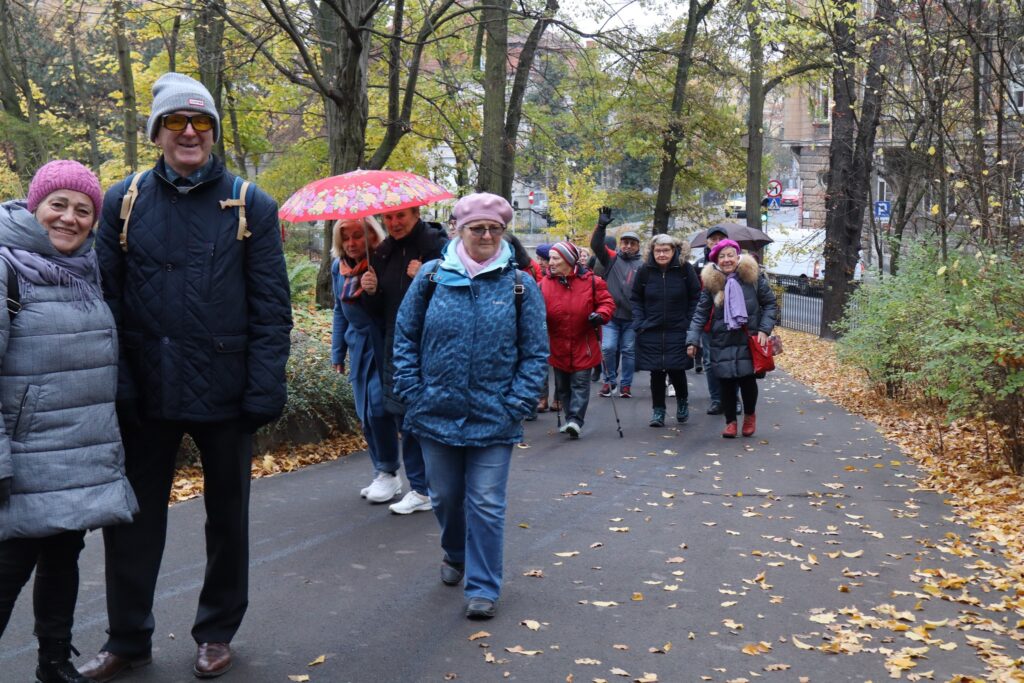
(431, 283)
(520, 290)
(238, 191)
(128, 203)
(13, 291)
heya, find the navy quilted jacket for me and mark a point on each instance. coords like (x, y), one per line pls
(204, 318)
(467, 370)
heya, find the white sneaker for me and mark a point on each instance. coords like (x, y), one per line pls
(671, 391)
(384, 487)
(573, 430)
(561, 430)
(413, 502)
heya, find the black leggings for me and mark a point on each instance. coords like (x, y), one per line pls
(55, 560)
(748, 390)
(678, 379)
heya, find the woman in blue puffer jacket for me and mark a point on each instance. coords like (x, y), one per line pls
(471, 350)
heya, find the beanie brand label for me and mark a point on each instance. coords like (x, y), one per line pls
(196, 102)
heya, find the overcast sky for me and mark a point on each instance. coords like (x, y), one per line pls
(590, 15)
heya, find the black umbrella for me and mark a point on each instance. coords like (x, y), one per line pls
(747, 237)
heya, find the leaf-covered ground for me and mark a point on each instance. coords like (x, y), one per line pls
(960, 459)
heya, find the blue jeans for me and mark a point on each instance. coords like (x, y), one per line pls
(412, 458)
(468, 487)
(618, 336)
(382, 442)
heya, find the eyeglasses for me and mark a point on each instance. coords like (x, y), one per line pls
(178, 122)
(479, 230)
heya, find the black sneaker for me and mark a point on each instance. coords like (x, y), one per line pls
(715, 408)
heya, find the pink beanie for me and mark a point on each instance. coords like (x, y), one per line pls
(722, 244)
(482, 206)
(569, 252)
(64, 174)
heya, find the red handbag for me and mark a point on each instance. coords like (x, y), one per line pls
(762, 356)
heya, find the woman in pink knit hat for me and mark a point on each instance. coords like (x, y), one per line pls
(61, 460)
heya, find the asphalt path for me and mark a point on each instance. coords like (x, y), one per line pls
(664, 553)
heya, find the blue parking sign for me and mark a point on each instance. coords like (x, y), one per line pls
(883, 210)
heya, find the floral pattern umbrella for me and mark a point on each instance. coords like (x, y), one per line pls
(360, 193)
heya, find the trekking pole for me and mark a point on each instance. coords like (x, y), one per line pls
(604, 370)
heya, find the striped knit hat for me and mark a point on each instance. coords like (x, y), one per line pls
(569, 252)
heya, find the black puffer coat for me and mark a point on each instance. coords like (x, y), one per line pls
(730, 355)
(663, 305)
(390, 261)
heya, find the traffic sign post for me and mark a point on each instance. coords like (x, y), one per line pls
(530, 197)
(883, 210)
(774, 189)
(774, 203)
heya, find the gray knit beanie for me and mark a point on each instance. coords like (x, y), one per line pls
(177, 92)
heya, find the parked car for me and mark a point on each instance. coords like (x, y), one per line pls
(791, 197)
(736, 205)
(796, 260)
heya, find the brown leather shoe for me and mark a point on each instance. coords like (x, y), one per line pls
(212, 660)
(106, 666)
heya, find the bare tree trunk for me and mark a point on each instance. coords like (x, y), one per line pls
(670, 164)
(851, 156)
(492, 145)
(755, 117)
(515, 100)
(209, 38)
(85, 110)
(171, 43)
(236, 139)
(124, 62)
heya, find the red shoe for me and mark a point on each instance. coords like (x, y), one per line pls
(730, 430)
(542, 405)
(749, 425)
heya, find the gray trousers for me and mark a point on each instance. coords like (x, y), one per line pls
(573, 390)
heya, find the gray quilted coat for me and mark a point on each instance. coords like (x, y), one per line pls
(730, 355)
(58, 376)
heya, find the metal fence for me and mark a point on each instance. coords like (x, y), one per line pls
(799, 302)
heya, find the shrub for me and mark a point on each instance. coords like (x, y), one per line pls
(952, 333)
(302, 279)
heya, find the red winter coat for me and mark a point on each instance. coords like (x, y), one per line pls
(574, 343)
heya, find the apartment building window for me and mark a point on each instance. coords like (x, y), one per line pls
(1015, 86)
(821, 102)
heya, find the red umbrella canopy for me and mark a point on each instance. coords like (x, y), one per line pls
(360, 193)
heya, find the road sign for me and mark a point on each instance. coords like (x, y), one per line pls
(530, 196)
(774, 203)
(883, 210)
(774, 188)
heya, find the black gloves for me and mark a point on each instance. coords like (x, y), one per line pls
(5, 490)
(595, 320)
(605, 216)
(251, 422)
(128, 414)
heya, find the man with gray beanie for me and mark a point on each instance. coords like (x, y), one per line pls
(618, 337)
(194, 271)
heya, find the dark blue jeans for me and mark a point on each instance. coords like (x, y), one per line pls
(412, 458)
(468, 488)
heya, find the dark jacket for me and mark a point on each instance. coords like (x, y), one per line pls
(390, 261)
(468, 365)
(730, 355)
(204, 318)
(663, 305)
(619, 271)
(59, 442)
